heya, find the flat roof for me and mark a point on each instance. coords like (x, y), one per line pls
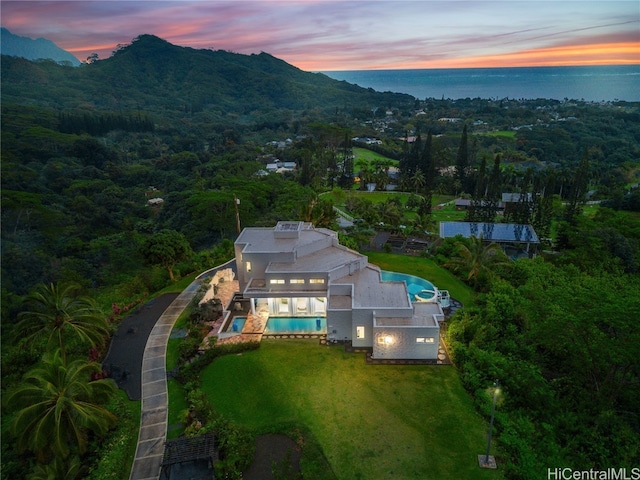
(323, 260)
(263, 240)
(424, 315)
(496, 232)
(371, 291)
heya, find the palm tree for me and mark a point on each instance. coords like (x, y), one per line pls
(59, 468)
(54, 312)
(477, 258)
(58, 406)
(418, 181)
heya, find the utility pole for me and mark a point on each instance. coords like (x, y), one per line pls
(488, 461)
(236, 202)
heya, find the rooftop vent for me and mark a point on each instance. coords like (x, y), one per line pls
(287, 229)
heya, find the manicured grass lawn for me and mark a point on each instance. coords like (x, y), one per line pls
(448, 213)
(372, 422)
(369, 156)
(424, 268)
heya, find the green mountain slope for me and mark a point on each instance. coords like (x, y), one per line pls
(152, 74)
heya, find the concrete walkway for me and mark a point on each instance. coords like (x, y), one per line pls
(155, 400)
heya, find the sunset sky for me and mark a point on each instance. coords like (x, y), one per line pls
(322, 35)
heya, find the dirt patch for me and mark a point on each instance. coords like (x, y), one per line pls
(274, 451)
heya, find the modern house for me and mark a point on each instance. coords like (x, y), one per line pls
(296, 270)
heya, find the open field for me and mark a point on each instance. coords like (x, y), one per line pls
(367, 156)
(445, 213)
(372, 422)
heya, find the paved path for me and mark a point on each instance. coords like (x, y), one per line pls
(153, 421)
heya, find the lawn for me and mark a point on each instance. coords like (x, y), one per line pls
(424, 268)
(444, 210)
(372, 422)
(369, 156)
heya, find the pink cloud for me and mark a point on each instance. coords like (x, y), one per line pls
(330, 35)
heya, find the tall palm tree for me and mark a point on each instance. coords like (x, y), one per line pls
(418, 181)
(477, 259)
(59, 468)
(57, 406)
(54, 312)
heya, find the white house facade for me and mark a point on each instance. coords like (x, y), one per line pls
(296, 270)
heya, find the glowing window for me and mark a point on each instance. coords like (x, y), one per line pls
(316, 280)
(296, 280)
(360, 331)
(425, 340)
(276, 281)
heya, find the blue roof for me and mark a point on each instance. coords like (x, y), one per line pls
(497, 232)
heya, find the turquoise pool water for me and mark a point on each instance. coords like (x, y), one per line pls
(417, 287)
(296, 325)
(237, 325)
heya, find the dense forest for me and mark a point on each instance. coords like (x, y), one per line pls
(105, 163)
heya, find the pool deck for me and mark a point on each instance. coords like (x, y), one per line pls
(254, 326)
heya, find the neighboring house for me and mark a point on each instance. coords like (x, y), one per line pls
(464, 204)
(154, 202)
(512, 200)
(507, 235)
(294, 269)
(281, 167)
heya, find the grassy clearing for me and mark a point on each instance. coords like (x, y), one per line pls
(448, 213)
(367, 156)
(382, 422)
(445, 213)
(424, 268)
(502, 133)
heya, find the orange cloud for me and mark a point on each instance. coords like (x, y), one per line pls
(627, 53)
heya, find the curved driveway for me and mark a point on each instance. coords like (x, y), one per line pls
(155, 397)
(155, 400)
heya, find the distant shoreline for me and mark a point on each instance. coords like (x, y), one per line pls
(590, 83)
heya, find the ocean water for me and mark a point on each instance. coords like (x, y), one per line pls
(593, 83)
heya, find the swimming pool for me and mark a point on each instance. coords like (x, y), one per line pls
(296, 325)
(237, 324)
(420, 290)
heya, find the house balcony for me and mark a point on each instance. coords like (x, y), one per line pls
(259, 288)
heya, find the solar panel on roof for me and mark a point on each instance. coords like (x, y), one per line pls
(498, 232)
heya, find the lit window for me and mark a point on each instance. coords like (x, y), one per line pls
(296, 280)
(316, 280)
(248, 266)
(360, 331)
(420, 340)
(276, 281)
(425, 340)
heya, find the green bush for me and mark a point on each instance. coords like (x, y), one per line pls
(112, 457)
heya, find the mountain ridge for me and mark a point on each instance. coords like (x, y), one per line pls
(151, 73)
(34, 49)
